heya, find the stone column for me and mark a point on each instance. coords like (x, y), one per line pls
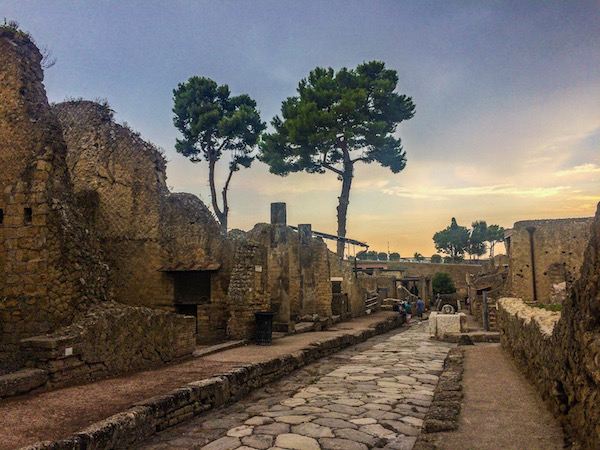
(305, 233)
(278, 214)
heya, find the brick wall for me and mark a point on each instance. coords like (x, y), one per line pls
(274, 272)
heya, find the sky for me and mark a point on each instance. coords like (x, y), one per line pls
(507, 94)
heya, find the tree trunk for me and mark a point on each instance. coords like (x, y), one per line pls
(344, 200)
(221, 217)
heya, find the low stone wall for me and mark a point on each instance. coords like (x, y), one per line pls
(21, 382)
(145, 418)
(109, 340)
(560, 353)
(526, 333)
(529, 335)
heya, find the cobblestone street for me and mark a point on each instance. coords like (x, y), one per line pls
(372, 395)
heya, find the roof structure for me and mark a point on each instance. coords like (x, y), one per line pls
(333, 237)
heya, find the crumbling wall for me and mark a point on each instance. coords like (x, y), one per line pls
(149, 236)
(492, 279)
(560, 353)
(110, 339)
(275, 272)
(54, 275)
(557, 247)
(50, 263)
(248, 287)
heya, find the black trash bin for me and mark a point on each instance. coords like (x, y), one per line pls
(264, 327)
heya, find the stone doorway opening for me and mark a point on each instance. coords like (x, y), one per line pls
(191, 289)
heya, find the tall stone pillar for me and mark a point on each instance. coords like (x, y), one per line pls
(278, 214)
(305, 233)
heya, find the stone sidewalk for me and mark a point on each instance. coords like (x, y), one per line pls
(99, 414)
(373, 395)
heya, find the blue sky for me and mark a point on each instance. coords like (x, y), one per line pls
(507, 125)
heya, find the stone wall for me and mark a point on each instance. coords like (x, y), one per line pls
(145, 418)
(274, 271)
(60, 258)
(51, 265)
(108, 340)
(492, 279)
(560, 353)
(354, 286)
(150, 237)
(557, 250)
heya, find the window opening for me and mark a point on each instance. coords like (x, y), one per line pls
(28, 214)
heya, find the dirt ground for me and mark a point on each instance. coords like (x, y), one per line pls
(57, 414)
(501, 409)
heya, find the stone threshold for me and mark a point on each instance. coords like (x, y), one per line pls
(145, 418)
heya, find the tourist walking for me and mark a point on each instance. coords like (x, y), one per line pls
(420, 306)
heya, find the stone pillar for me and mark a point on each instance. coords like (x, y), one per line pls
(305, 233)
(278, 214)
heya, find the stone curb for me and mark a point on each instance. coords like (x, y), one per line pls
(21, 382)
(455, 338)
(218, 348)
(149, 416)
(446, 405)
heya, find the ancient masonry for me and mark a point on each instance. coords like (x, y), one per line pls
(545, 257)
(50, 266)
(560, 352)
(54, 276)
(103, 270)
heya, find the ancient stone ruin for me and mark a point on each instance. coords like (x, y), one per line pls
(104, 270)
(57, 304)
(544, 257)
(560, 351)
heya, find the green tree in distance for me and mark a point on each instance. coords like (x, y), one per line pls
(418, 256)
(335, 121)
(453, 241)
(477, 238)
(382, 256)
(362, 255)
(365, 255)
(495, 234)
(211, 123)
(436, 259)
(442, 284)
(394, 256)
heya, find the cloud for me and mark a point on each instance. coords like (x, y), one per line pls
(584, 169)
(441, 192)
(369, 184)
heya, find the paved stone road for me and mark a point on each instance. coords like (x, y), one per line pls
(373, 395)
